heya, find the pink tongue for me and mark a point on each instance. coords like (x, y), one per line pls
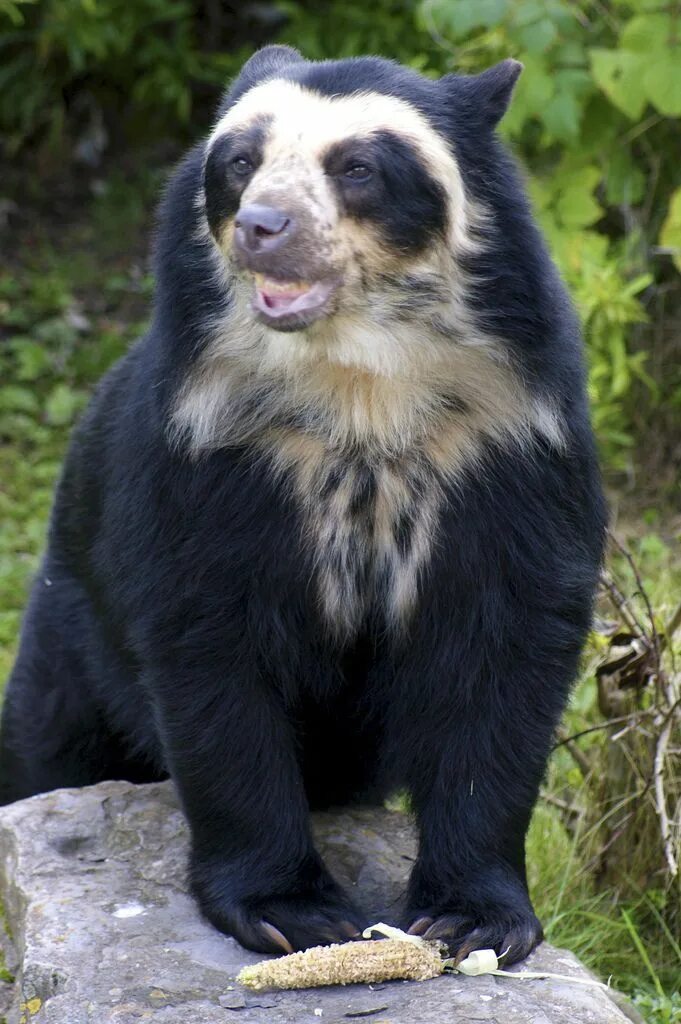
(276, 304)
(280, 301)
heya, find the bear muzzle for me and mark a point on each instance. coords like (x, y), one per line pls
(292, 287)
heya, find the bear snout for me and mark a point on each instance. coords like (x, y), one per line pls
(260, 228)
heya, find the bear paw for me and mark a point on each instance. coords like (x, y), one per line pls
(284, 925)
(511, 933)
(313, 915)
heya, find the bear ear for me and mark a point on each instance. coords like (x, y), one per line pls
(265, 63)
(489, 92)
(268, 62)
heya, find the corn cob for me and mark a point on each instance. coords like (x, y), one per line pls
(346, 964)
(399, 956)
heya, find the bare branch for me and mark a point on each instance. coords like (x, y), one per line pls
(621, 604)
(642, 591)
(582, 761)
(619, 720)
(661, 798)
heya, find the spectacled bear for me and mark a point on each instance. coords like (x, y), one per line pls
(332, 528)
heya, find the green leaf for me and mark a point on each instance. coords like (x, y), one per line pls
(640, 5)
(462, 17)
(638, 284)
(624, 182)
(17, 399)
(670, 235)
(62, 405)
(561, 115)
(619, 75)
(569, 52)
(538, 36)
(576, 206)
(33, 360)
(525, 13)
(602, 125)
(578, 209)
(662, 82)
(646, 33)
(575, 80)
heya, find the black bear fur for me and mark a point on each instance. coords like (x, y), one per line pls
(172, 629)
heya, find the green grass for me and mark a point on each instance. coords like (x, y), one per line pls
(632, 946)
(68, 308)
(627, 941)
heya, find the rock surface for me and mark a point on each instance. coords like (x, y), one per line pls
(93, 882)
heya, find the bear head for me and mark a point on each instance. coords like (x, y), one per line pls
(331, 186)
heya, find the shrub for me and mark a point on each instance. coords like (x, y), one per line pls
(594, 117)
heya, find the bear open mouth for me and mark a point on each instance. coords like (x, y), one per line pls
(289, 305)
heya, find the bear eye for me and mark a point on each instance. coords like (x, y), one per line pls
(242, 165)
(358, 172)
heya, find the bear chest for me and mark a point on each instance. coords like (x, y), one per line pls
(369, 529)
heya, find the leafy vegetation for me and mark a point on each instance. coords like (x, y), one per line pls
(64, 318)
(90, 93)
(67, 61)
(595, 119)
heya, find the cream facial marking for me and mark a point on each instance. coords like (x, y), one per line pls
(330, 243)
(306, 124)
(345, 263)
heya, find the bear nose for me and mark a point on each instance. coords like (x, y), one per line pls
(261, 228)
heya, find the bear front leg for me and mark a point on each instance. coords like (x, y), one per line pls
(473, 798)
(474, 760)
(254, 870)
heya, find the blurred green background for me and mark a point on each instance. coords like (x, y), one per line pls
(99, 97)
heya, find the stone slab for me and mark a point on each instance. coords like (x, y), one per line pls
(104, 931)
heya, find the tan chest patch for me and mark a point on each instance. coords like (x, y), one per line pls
(367, 458)
(368, 423)
(369, 526)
